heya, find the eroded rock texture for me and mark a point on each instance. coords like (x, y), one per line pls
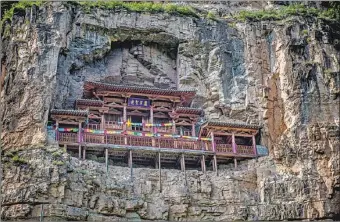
(283, 75)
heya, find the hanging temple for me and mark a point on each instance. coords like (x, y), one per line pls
(150, 126)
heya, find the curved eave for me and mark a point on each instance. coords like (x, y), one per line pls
(65, 112)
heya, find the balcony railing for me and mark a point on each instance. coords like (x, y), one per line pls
(161, 142)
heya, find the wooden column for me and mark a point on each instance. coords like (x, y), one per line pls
(152, 129)
(174, 132)
(193, 131)
(124, 122)
(56, 130)
(107, 159)
(214, 149)
(84, 153)
(130, 159)
(234, 149)
(130, 165)
(203, 164)
(213, 142)
(160, 172)
(182, 162)
(254, 145)
(79, 133)
(102, 125)
(79, 152)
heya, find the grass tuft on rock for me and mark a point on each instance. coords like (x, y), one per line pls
(17, 159)
(150, 7)
(286, 11)
(8, 14)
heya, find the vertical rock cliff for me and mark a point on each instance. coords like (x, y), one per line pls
(283, 75)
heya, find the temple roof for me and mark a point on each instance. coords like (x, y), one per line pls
(189, 110)
(69, 112)
(137, 89)
(231, 124)
(89, 102)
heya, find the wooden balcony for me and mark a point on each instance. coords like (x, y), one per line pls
(156, 143)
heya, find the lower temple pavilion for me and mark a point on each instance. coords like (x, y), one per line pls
(149, 126)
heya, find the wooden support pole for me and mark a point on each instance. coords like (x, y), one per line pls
(65, 148)
(56, 130)
(152, 128)
(84, 153)
(130, 164)
(79, 133)
(102, 125)
(130, 159)
(203, 163)
(124, 123)
(235, 162)
(107, 159)
(160, 172)
(215, 163)
(182, 163)
(79, 152)
(233, 143)
(156, 162)
(193, 131)
(213, 142)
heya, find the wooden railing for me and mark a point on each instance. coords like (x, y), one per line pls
(139, 141)
(165, 143)
(245, 150)
(115, 139)
(224, 148)
(113, 125)
(93, 126)
(67, 137)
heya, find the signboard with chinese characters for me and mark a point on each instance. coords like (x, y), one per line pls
(139, 102)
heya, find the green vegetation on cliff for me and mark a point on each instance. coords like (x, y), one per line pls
(20, 5)
(141, 7)
(331, 13)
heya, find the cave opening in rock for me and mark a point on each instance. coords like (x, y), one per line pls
(142, 63)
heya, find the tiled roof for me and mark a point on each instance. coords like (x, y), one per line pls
(90, 102)
(189, 110)
(137, 89)
(232, 124)
(69, 112)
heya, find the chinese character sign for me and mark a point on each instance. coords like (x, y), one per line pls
(139, 102)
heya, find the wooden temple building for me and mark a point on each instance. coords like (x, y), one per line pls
(149, 126)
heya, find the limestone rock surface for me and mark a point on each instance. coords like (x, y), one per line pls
(266, 73)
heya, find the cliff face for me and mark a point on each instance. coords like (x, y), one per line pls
(283, 75)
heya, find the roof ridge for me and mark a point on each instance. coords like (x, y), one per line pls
(139, 86)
